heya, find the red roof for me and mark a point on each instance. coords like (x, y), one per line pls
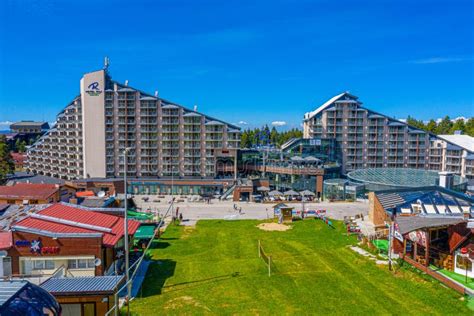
(85, 193)
(5, 240)
(77, 215)
(28, 191)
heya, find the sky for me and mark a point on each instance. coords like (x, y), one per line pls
(246, 62)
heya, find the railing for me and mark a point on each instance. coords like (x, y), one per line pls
(135, 267)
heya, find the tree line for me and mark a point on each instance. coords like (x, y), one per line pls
(445, 126)
(265, 136)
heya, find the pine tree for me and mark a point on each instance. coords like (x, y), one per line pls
(6, 162)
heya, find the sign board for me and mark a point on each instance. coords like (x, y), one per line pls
(418, 236)
(315, 142)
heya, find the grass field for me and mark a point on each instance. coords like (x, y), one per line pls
(214, 268)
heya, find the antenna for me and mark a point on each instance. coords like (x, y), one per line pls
(106, 63)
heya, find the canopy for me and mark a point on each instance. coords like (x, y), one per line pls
(290, 192)
(263, 188)
(145, 232)
(275, 193)
(307, 193)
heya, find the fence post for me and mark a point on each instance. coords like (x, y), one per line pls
(269, 265)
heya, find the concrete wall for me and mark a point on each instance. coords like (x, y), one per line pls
(93, 123)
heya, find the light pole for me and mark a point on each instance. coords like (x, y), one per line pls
(125, 229)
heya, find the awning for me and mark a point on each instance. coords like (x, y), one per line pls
(291, 193)
(263, 189)
(145, 232)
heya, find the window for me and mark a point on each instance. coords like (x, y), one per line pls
(80, 263)
(43, 265)
(461, 263)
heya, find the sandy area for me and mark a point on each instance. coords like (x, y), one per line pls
(273, 227)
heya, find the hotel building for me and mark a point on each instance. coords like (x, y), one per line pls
(164, 138)
(372, 140)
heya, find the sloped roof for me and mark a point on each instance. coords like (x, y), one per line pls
(82, 285)
(408, 224)
(464, 141)
(64, 219)
(326, 104)
(35, 191)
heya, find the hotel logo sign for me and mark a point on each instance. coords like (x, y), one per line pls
(93, 89)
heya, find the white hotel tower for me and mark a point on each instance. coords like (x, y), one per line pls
(165, 138)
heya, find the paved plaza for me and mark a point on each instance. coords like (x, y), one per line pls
(193, 211)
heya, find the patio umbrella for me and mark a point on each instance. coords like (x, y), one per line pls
(275, 193)
(291, 193)
(307, 193)
(297, 159)
(263, 189)
(312, 159)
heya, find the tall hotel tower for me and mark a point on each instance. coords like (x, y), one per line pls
(164, 138)
(373, 140)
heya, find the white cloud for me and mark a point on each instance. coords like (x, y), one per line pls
(278, 123)
(242, 123)
(5, 125)
(440, 60)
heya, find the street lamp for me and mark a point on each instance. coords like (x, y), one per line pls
(125, 228)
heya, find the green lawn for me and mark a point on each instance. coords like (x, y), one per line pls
(214, 269)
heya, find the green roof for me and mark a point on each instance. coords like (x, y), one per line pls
(145, 232)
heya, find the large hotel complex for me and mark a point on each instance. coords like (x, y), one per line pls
(163, 138)
(372, 140)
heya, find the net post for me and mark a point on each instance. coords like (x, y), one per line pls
(259, 247)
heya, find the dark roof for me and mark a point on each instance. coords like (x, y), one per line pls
(30, 123)
(408, 224)
(25, 177)
(93, 202)
(8, 289)
(82, 285)
(394, 199)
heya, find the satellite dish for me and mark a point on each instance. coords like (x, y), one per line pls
(101, 194)
(97, 262)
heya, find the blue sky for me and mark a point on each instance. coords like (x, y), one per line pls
(243, 61)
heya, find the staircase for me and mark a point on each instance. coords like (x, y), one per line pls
(226, 194)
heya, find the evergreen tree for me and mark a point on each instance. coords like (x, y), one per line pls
(6, 162)
(444, 127)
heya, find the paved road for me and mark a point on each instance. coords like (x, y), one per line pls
(193, 211)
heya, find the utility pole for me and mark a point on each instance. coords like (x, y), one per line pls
(125, 229)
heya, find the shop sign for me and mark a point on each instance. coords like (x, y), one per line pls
(396, 232)
(36, 246)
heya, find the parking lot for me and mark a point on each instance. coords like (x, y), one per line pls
(193, 211)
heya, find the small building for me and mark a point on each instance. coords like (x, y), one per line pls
(431, 227)
(62, 237)
(29, 193)
(29, 127)
(84, 295)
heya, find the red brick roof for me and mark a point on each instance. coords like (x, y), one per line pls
(28, 191)
(5, 240)
(77, 219)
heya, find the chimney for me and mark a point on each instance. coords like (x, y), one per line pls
(446, 179)
(126, 83)
(156, 93)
